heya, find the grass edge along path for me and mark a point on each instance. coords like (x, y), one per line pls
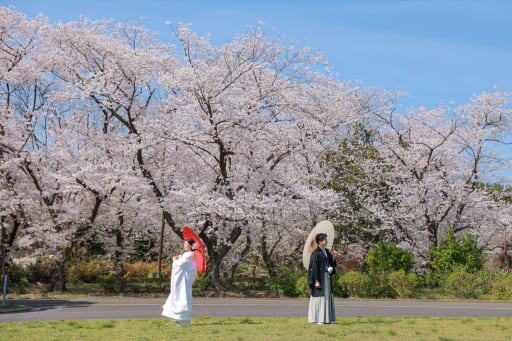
(12, 307)
(268, 329)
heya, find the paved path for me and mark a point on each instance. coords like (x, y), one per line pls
(142, 308)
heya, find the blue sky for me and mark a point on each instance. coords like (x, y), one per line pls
(438, 51)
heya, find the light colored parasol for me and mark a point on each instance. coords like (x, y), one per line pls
(322, 227)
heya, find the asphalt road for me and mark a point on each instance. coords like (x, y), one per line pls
(143, 308)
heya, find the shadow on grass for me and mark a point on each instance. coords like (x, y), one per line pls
(13, 308)
(23, 305)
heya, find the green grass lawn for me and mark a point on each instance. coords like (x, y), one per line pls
(263, 329)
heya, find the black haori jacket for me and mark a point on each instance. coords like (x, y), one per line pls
(318, 265)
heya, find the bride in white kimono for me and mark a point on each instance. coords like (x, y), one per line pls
(178, 305)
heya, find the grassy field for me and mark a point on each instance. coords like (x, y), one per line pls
(267, 329)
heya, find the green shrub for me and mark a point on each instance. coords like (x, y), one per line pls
(403, 283)
(16, 274)
(502, 289)
(143, 269)
(387, 257)
(201, 281)
(337, 289)
(142, 285)
(40, 271)
(451, 254)
(284, 284)
(354, 283)
(380, 286)
(463, 284)
(89, 271)
(112, 284)
(430, 279)
(301, 287)
(488, 278)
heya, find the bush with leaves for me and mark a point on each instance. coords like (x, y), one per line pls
(89, 271)
(451, 255)
(16, 274)
(201, 282)
(383, 259)
(380, 286)
(112, 284)
(463, 284)
(403, 283)
(284, 284)
(354, 284)
(301, 287)
(387, 257)
(502, 288)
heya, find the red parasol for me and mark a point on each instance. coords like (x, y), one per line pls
(199, 253)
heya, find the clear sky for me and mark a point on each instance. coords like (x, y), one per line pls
(437, 51)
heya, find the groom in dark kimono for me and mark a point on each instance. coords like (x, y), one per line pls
(321, 267)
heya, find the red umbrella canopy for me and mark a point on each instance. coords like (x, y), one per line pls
(199, 253)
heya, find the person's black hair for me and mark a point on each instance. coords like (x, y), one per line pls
(320, 237)
(190, 241)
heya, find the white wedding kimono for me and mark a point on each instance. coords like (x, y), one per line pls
(178, 305)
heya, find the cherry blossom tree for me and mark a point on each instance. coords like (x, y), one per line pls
(250, 119)
(21, 89)
(56, 158)
(436, 162)
(107, 77)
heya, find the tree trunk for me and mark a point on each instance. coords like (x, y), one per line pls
(118, 255)
(216, 254)
(7, 240)
(243, 254)
(61, 280)
(267, 258)
(214, 281)
(160, 248)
